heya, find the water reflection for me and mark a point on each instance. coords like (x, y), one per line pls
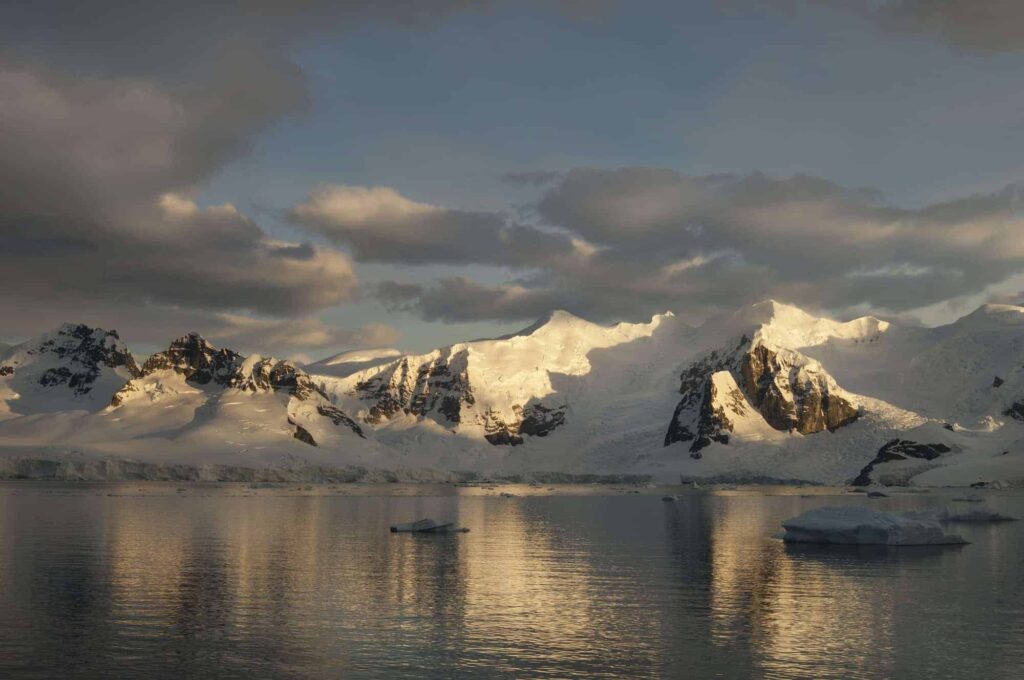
(560, 586)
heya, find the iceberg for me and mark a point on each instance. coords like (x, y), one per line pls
(864, 526)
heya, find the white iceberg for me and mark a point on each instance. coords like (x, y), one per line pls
(864, 526)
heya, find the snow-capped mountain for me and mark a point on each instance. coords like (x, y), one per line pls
(767, 391)
(72, 368)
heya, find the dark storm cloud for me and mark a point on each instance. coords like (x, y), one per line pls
(650, 239)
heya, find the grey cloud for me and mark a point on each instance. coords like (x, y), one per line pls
(134, 37)
(982, 25)
(976, 24)
(397, 295)
(655, 240)
(462, 299)
(109, 106)
(150, 327)
(380, 225)
(83, 211)
(1007, 298)
(534, 178)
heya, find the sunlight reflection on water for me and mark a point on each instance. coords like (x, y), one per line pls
(592, 583)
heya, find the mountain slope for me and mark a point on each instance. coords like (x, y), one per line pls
(767, 391)
(501, 391)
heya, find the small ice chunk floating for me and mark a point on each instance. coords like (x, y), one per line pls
(427, 526)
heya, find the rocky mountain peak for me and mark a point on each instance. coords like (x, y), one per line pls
(195, 358)
(790, 392)
(73, 355)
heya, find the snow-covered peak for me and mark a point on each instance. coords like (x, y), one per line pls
(72, 366)
(73, 345)
(786, 326)
(989, 316)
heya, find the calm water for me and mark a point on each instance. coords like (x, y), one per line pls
(230, 582)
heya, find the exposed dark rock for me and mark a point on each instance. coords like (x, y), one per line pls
(55, 376)
(303, 435)
(789, 401)
(6, 370)
(339, 417)
(997, 381)
(701, 417)
(503, 437)
(539, 420)
(1016, 411)
(196, 359)
(899, 449)
(778, 385)
(440, 388)
(758, 370)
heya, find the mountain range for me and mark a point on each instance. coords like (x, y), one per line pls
(766, 393)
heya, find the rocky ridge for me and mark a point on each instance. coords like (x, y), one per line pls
(789, 391)
(199, 363)
(440, 388)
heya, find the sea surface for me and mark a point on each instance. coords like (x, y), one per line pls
(151, 580)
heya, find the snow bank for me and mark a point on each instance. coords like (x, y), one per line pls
(864, 526)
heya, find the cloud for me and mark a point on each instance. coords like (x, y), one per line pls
(984, 25)
(380, 225)
(975, 24)
(462, 299)
(90, 205)
(295, 336)
(536, 178)
(397, 295)
(114, 114)
(657, 239)
(151, 327)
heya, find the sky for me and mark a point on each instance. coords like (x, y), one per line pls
(301, 178)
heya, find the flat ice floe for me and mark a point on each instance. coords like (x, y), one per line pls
(864, 526)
